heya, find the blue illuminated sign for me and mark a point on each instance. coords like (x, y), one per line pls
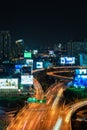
(67, 60)
(80, 81)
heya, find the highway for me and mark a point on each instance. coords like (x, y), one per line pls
(46, 116)
(38, 89)
(66, 114)
(64, 119)
(37, 116)
(59, 76)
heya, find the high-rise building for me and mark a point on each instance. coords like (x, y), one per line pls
(76, 48)
(60, 48)
(69, 48)
(19, 48)
(5, 45)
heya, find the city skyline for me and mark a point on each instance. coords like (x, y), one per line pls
(42, 23)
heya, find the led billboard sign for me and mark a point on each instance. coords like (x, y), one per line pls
(80, 81)
(67, 60)
(81, 71)
(29, 62)
(18, 66)
(27, 79)
(8, 83)
(39, 65)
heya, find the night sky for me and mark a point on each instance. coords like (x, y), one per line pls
(44, 22)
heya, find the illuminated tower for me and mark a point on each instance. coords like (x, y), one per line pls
(5, 45)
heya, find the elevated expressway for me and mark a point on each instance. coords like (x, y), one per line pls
(40, 116)
(65, 115)
(64, 120)
(48, 116)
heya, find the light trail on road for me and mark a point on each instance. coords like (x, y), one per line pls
(39, 116)
(66, 114)
(58, 124)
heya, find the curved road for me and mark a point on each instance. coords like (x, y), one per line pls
(65, 115)
(40, 116)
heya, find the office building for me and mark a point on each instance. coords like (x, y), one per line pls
(19, 45)
(5, 45)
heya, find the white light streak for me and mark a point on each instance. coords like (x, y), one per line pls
(58, 124)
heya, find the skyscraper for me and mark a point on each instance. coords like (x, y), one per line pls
(20, 48)
(77, 49)
(5, 45)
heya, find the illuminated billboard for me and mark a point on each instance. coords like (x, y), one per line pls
(18, 69)
(18, 66)
(29, 62)
(27, 79)
(80, 81)
(67, 60)
(81, 71)
(8, 83)
(27, 55)
(39, 65)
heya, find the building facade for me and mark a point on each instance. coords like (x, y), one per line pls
(20, 48)
(75, 48)
(5, 45)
